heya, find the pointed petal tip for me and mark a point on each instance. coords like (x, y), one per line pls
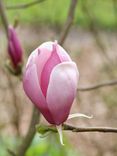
(55, 43)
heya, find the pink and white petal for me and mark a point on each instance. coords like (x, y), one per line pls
(47, 69)
(62, 90)
(47, 45)
(39, 57)
(33, 91)
(43, 53)
(43, 56)
(61, 52)
(31, 58)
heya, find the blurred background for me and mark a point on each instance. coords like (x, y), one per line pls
(92, 44)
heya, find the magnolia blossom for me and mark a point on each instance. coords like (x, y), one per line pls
(50, 81)
(14, 47)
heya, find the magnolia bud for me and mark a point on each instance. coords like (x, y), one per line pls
(14, 48)
(50, 81)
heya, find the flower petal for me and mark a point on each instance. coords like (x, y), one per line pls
(33, 91)
(79, 115)
(14, 45)
(62, 90)
(47, 69)
(42, 54)
(12, 53)
(31, 59)
(17, 46)
(39, 57)
(61, 52)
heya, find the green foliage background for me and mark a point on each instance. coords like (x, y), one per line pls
(49, 146)
(53, 12)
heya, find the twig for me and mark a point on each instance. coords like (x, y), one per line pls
(100, 85)
(90, 129)
(45, 129)
(25, 5)
(30, 134)
(68, 22)
(3, 16)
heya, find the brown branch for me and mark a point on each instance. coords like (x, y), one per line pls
(89, 129)
(97, 86)
(68, 22)
(4, 16)
(44, 129)
(25, 5)
(30, 134)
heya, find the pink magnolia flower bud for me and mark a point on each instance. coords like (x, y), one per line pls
(50, 81)
(14, 47)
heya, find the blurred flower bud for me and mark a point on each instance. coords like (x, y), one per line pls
(14, 48)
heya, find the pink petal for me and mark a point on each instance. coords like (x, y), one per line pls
(41, 59)
(62, 90)
(12, 54)
(61, 52)
(15, 45)
(40, 56)
(50, 64)
(44, 52)
(33, 91)
(31, 59)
